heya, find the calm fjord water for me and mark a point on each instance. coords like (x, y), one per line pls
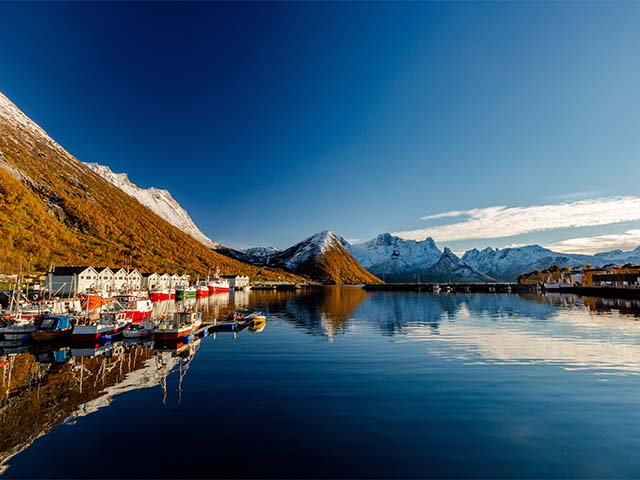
(342, 383)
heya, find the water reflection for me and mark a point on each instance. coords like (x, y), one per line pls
(388, 348)
(43, 386)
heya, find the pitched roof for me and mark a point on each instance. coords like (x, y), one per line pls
(70, 270)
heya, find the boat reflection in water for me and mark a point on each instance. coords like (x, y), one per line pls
(53, 385)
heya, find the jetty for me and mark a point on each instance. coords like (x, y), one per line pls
(449, 287)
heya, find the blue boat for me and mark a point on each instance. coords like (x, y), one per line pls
(52, 327)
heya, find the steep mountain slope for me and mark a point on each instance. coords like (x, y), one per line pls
(449, 268)
(54, 209)
(158, 200)
(507, 263)
(323, 257)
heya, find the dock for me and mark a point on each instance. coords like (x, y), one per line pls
(449, 287)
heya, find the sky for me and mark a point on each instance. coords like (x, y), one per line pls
(479, 124)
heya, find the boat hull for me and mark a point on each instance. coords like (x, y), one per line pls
(90, 333)
(50, 336)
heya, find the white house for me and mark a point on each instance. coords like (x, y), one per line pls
(105, 279)
(120, 280)
(67, 280)
(134, 280)
(175, 280)
(165, 280)
(151, 281)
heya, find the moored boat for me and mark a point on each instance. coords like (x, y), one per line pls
(139, 330)
(202, 291)
(185, 292)
(109, 325)
(52, 327)
(160, 294)
(218, 285)
(181, 324)
(17, 329)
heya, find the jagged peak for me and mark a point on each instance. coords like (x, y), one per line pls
(447, 252)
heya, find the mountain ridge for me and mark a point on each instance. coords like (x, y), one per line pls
(56, 210)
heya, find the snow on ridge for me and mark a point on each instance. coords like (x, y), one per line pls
(11, 114)
(386, 253)
(160, 201)
(317, 244)
(262, 252)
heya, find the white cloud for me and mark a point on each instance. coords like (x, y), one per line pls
(502, 221)
(601, 243)
(453, 213)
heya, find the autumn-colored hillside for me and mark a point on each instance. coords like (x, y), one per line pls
(55, 210)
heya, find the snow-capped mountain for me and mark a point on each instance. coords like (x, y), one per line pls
(508, 263)
(158, 200)
(262, 252)
(323, 256)
(619, 257)
(394, 258)
(449, 268)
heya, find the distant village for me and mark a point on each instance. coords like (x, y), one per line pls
(81, 279)
(626, 276)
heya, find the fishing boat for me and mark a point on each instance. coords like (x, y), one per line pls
(181, 324)
(52, 327)
(160, 294)
(17, 329)
(139, 330)
(202, 291)
(94, 299)
(185, 292)
(109, 325)
(136, 306)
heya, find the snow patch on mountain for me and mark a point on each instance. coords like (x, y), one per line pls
(619, 257)
(262, 252)
(309, 248)
(450, 268)
(158, 200)
(508, 263)
(390, 255)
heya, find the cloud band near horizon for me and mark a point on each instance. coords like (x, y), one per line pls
(502, 221)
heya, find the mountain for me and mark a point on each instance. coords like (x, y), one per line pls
(395, 259)
(54, 209)
(262, 252)
(507, 263)
(619, 257)
(449, 268)
(323, 257)
(158, 200)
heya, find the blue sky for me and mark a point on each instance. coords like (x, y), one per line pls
(271, 121)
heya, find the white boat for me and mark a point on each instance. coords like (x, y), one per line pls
(18, 329)
(180, 325)
(110, 324)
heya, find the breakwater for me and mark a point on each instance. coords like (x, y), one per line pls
(450, 287)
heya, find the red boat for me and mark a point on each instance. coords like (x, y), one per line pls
(160, 294)
(135, 307)
(202, 291)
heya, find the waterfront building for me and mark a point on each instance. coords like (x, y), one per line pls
(237, 282)
(67, 280)
(627, 276)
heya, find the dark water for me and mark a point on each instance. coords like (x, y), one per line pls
(342, 383)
